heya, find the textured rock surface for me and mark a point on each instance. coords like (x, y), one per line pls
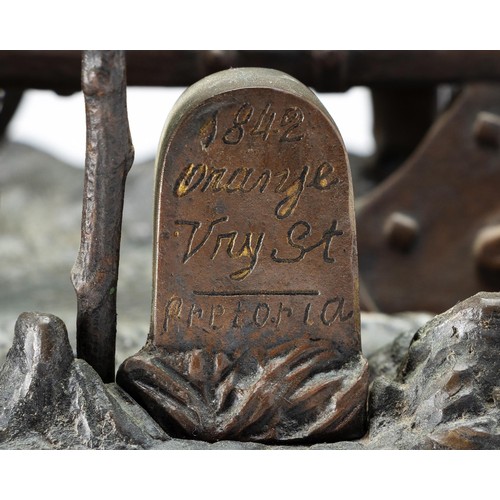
(50, 400)
(444, 391)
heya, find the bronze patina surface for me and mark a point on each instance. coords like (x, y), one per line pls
(255, 315)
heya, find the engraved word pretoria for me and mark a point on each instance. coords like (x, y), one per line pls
(177, 311)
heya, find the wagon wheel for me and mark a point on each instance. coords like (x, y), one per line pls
(9, 101)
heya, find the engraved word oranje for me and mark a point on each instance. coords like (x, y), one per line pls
(204, 178)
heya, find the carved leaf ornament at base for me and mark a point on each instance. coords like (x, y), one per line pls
(297, 395)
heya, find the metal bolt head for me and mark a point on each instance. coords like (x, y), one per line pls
(401, 231)
(487, 129)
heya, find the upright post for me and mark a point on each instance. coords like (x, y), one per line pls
(108, 160)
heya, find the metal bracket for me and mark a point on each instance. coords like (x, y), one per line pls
(429, 236)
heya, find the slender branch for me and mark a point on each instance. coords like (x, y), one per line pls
(108, 160)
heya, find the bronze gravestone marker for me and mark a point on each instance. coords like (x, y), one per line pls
(255, 316)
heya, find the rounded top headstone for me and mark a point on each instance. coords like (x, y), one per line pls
(253, 208)
(255, 316)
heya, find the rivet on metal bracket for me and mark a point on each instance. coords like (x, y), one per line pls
(401, 231)
(487, 129)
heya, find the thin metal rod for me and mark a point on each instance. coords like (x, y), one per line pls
(108, 160)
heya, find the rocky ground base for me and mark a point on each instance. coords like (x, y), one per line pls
(434, 389)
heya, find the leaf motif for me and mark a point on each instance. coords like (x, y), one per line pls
(345, 405)
(176, 383)
(295, 394)
(223, 391)
(221, 362)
